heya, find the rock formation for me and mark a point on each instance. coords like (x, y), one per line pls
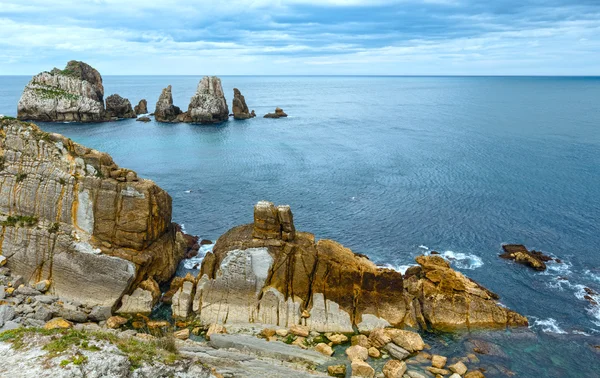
(71, 216)
(73, 94)
(239, 107)
(165, 110)
(141, 107)
(267, 272)
(118, 107)
(533, 259)
(279, 113)
(208, 105)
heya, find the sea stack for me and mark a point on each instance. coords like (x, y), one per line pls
(119, 107)
(74, 94)
(239, 107)
(141, 107)
(165, 110)
(279, 113)
(208, 105)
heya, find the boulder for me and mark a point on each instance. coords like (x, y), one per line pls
(336, 338)
(474, 374)
(411, 341)
(75, 94)
(299, 330)
(459, 368)
(517, 252)
(208, 105)
(139, 302)
(379, 338)
(239, 107)
(374, 352)
(362, 369)
(100, 313)
(394, 369)
(396, 352)
(361, 340)
(337, 371)
(279, 113)
(182, 334)
(141, 107)
(182, 301)
(215, 329)
(7, 313)
(438, 361)
(42, 286)
(165, 110)
(357, 352)
(58, 323)
(324, 349)
(119, 107)
(115, 322)
(76, 218)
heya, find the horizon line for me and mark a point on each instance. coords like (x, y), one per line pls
(346, 75)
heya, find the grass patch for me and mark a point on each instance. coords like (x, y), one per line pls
(20, 220)
(48, 92)
(8, 118)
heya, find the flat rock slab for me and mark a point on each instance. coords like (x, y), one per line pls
(262, 348)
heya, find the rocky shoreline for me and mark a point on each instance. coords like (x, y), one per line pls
(76, 94)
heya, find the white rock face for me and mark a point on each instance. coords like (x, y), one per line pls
(327, 316)
(208, 105)
(139, 302)
(85, 212)
(182, 301)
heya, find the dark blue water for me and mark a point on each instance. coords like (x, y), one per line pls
(390, 166)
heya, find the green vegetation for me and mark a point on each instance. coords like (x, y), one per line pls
(21, 177)
(48, 92)
(62, 181)
(162, 349)
(53, 229)
(99, 174)
(8, 118)
(20, 220)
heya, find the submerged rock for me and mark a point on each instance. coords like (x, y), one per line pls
(118, 107)
(517, 252)
(94, 229)
(141, 107)
(279, 113)
(208, 105)
(143, 119)
(75, 94)
(239, 107)
(165, 110)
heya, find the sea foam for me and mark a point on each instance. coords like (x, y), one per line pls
(549, 325)
(463, 260)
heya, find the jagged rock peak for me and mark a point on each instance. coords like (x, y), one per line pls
(239, 107)
(141, 107)
(165, 110)
(208, 105)
(119, 107)
(73, 94)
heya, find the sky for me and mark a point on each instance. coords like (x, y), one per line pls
(303, 37)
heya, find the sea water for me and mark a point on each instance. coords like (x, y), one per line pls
(393, 167)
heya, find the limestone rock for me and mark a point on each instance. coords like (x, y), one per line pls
(2, 260)
(459, 368)
(394, 369)
(165, 110)
(115, 322)
(100, 313)
(119, 107)
(58, 323)
(141, 107)
(299, 330)
(239, 107)
(182, 301)
(336, 338)
(208, 105)
(396, 352)
(438, 361)
(139, 302)
(436, 371)
(42, 286)
(357, 352)
(535, 260)
(182, 334)
(362, 369)
(379, 338)
(474, 374)
(7, 313)
(215, 329)
(361, 340)
(279, 113)
(75, 94)
(411, 341)
(266, 221)
(337, 371)
(374, 352)
(324, 349)
(95, 229)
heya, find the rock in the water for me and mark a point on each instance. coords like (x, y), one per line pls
(394, 369)
(459, 368)
(74, 94)
(239, 107)
(357, 352)
(474, 374)
(208, 105)
(396, 352)
(279, 113)
(517, 252)
(324, 349)
(165, 110)
(143, 119)
(119, 107)
(141, 107)
(95, 229)
(139, 302)
(411, 341)
(438, 361)
(362, 369)
(337, 370)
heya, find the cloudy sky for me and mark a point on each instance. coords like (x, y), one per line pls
(248, 37)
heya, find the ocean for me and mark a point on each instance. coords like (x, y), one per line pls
(393, 167)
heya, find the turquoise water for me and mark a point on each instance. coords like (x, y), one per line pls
(395, 166)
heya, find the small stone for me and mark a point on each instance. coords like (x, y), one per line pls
(115, 322)
(9, 291)
(282, 332)
(301, 342)
(58, 323)
(396, 352)
(100, 313)
(156, 324)
(362, 369)
(394, 369)
(357, 352)
(268, 332)
(324, 349)
(17, 281)
(415, 374)
(2, 260)
(299, 330)
(379, 338)
(183, 334)
(458, 368)
(439, 371)
(46, 299)
(27, 291)
(215, 328)
(374, 352)
(337, 338)
(438, 361)
(411, 341)
(455, 375)
(361, 340)
(43, 313)
(473, 358)
(42, 286)
(7, 313)
(337, 370)
(474, 374)
(196, 331)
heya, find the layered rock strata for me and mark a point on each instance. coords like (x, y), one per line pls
(71, 216)
(269, 273)
(165, 110)
(208, 105)
(75, 94)
(119, 107)
(239, 108)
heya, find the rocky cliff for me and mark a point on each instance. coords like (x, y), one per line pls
(73, 94)
(269, 273)
(165, 110)
(119, 107)
(208, 105)
(70, 215)
(239, 108)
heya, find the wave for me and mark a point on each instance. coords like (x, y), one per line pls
(593, 276)
(549, 325)
(463, 260)
(424, 247)
(398, 268)
(196, 261)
